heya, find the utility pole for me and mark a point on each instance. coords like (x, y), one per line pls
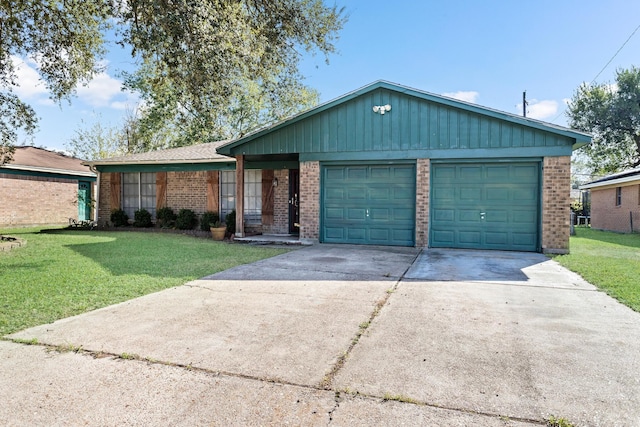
(524, 103)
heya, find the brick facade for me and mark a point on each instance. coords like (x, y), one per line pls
(556, 214)
(422, 202)
(32, 200)
(187, 190)
(280, 205)
(605, 215)
(310, 200)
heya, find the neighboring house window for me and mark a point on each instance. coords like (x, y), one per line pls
(252, 194)
(618, 196)
(138, 192)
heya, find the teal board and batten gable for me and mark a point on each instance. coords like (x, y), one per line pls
(419, 125)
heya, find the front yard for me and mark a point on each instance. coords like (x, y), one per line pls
(63, 273)
(610, 261)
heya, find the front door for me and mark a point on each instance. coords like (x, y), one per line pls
(84, 201)
(294, 209)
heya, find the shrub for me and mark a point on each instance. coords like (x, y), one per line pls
(119, 218)
(165, 217)
(142, 218)
(186, 219)
(207, 219)
(230, 219)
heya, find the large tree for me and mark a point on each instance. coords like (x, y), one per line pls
(611, 112)
(196, 59)
(65, 38)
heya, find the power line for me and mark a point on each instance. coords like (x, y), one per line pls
(615, 54)
(605, 66)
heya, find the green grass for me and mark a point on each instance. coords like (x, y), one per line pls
(63, 273)
(609, 261)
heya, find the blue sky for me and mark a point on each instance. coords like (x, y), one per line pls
(487, 52)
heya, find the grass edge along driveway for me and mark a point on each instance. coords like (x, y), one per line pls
(62, 273)
(607, 260)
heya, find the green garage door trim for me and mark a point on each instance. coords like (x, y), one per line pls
(368, 204)
(485, 206)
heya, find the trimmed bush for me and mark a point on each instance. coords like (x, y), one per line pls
(142, 218)
(119, 218)
(186, 219)
(207, 219)
(165, 217)
(230, 219)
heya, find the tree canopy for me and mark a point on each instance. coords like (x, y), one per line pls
(611, 112)
(205, 69)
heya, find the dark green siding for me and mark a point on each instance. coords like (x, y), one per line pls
(368, 204)
(427, 129)
(485, 206)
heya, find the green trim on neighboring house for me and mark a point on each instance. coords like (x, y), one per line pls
(167, 167)
(47, 174)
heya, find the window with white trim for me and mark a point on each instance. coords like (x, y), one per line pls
(227, 193)
(252, 194)
(138, 192)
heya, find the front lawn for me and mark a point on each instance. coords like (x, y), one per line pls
(610, 261)
(63, 273)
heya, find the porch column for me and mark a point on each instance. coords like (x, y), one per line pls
(240, 195)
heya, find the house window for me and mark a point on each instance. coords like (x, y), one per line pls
(618, 196)
(252, 194)
(227, 192)
(138, 192)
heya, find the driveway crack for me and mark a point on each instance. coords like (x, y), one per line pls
(327, 381)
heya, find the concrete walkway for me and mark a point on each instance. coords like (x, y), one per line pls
(340, 335)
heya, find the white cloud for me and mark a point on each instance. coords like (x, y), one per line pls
(29, 84)
(462, 95)
(101, 91)
(540, 110)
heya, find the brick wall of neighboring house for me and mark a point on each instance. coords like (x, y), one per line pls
(422, 202)
(556, 213)
(187, 190)
(280, 205)
(30, 200)
(605, 215)
(310, 200)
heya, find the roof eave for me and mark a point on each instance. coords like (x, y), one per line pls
(48, 170)
(611, 182)
(158, 162)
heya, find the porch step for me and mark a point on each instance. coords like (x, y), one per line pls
(274, 239)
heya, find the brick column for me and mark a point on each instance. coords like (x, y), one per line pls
(310, 200)
(556, 199)
(422, 202)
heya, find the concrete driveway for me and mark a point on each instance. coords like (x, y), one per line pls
(340, 335)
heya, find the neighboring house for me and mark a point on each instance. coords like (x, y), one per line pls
(42, 187)
(615, 202)
(383, 165)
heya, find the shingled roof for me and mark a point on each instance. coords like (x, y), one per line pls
(630, 175)
(41, 160)
(199, 153)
